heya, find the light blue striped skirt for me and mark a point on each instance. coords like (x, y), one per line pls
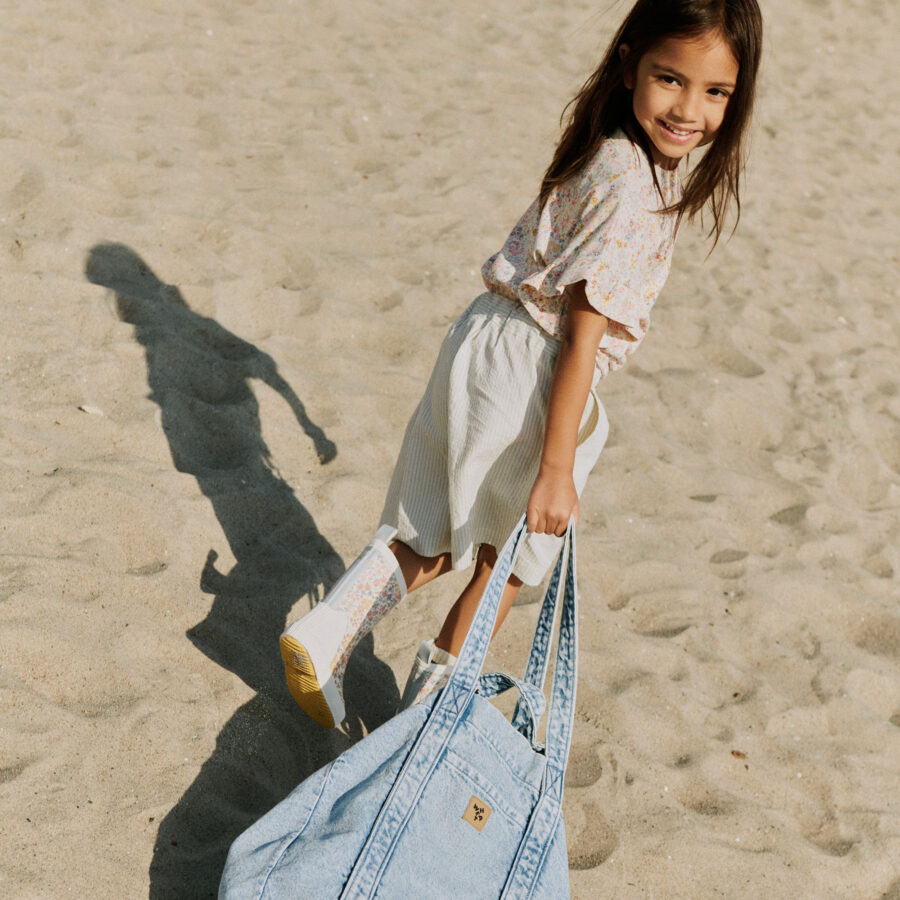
(473, 446)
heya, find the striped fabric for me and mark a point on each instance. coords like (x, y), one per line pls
(472, 448)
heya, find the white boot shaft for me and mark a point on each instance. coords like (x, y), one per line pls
(431, 670)
(315, 649)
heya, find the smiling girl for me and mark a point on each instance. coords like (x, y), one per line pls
(511, 419)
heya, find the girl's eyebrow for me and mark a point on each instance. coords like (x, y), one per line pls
(670, 71)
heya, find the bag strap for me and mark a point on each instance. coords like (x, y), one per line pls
(542, 825)
(435, 733)
(565, 681)
(539, 656)
(530, 705)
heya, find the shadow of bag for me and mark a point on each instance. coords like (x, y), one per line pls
(448, 798)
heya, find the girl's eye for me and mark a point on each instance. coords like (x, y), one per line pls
(668, 79)
(719, 93)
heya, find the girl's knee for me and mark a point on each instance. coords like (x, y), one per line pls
(487, 556)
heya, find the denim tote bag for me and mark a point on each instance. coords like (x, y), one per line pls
(448, 798)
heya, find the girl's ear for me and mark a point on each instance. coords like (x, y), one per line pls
(627, 70)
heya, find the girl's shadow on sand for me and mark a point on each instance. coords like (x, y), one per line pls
(199, 375)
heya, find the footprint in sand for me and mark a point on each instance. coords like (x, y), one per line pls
(585, 766)
(732, 361)
(879, 566)
(788, 332)
(729, 563)
(700, 798)
(837, 847)
(300, 272)
(879, 634)
(391, 301)
(153, 568)
(28, 188)
(790, 515)
(728, 556)
(12, 772)
(590, 837)
(670, 632)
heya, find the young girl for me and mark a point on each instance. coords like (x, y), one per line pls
(510, 420)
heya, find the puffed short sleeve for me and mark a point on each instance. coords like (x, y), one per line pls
(595, 232)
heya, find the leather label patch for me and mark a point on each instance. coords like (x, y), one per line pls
(477, 813)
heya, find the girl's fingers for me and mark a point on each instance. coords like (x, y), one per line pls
(555, 525)
(540, 522)
(549, 524)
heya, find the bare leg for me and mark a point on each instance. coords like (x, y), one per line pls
(419, 570)
(456, 625)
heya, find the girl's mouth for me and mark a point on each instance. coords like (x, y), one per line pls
(680, 135)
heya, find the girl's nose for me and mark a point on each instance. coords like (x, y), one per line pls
(686, 106)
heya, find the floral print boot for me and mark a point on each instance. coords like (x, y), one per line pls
(430, 671)
(315, 649)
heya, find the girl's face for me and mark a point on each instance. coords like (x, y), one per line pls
(680, 91)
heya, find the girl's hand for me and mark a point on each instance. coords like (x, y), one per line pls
(553, 501)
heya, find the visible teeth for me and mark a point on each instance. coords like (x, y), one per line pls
(676, 130)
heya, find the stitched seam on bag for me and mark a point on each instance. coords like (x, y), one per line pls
(490, 792)
(440, 730)
(485, 739)
(545, 845)
(483, 782)
(288, 843)
(473, 773)
(402, 818)
(524, 875)
(359, 880)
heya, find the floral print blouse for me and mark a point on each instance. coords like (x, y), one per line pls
(602, 227)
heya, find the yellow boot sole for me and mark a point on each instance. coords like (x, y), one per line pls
(300, 675)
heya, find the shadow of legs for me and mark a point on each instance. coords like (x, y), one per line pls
(199, 374)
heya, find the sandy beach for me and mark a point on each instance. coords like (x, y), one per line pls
(233, 236)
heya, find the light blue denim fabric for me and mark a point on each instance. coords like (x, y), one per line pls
(386, 818)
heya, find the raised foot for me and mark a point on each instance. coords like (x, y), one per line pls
(300, 675)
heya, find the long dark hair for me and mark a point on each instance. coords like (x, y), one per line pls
(604, 103)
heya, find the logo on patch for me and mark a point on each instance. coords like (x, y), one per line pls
(477, 813)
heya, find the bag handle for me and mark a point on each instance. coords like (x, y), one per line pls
(449, 709)
(539, 656)
(542, 825)
(565, 680)
(493, 683)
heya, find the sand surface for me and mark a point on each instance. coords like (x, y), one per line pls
(233, 235)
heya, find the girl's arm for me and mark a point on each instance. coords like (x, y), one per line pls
(553, 499)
